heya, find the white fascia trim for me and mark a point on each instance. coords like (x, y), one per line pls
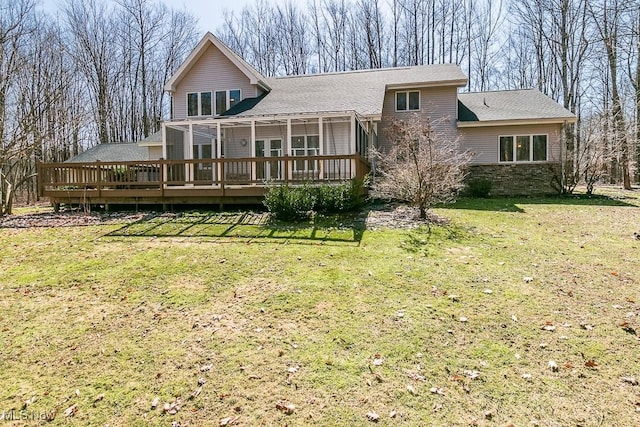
(487, 123)
(415, 85)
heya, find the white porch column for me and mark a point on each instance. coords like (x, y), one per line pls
(219, 150)
(164, 155)
(353, 144)
(164, 140)
(289, 163)
(321, 144)
(188, 154)
(253, 149)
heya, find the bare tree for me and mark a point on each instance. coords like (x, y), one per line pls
(422, 167)
(607, 18)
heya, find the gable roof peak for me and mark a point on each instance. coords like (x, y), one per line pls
(209, 39)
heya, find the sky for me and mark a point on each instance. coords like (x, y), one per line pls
(208, 12)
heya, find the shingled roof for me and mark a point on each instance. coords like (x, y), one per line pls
(122, 152)
(360, 91)
(481, 108)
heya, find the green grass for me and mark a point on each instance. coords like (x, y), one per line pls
(134, 311)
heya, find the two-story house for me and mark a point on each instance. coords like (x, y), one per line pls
(232, 131)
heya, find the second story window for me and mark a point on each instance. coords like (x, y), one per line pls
(226, 99)
(198, 104)
(408, 101)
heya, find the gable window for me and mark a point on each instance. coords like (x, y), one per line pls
(408, 101)
(523, 148)
(225, 99)
(198, 104)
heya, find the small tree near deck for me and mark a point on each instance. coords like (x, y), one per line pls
(422, 167)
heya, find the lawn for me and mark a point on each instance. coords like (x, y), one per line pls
(518, 312)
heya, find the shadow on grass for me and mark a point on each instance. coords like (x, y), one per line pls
(347, 228)
(513, 204)
(420, 240)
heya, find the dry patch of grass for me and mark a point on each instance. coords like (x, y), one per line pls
(456, 326)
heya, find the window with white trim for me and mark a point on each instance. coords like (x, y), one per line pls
(198, 104)
(408, 100)
(225, 99)
(306, 145)
(522, 148)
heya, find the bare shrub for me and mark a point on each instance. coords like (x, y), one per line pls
(422, 167)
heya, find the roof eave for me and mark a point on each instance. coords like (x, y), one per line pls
(512, 122)
(454, 82)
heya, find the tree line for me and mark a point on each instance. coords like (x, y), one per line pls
(582, 53)
(93, 71)
(90, 72)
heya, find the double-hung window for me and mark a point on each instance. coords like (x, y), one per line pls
(225, 99)
(522, 148)
(198, 104)
(408, 100)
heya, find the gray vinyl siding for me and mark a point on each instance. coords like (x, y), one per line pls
(483, 141)
(438, 103)
(212, 72)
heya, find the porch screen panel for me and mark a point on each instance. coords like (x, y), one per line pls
(203, 151)
(175, 151)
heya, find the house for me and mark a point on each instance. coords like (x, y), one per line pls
(232, 131)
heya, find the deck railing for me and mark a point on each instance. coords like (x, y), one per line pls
(138, 178)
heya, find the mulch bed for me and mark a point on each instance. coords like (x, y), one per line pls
(395, 216)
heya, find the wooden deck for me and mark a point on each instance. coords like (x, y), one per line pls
(207, 181)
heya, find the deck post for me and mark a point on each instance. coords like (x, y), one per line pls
(99, 178)
(222, 175)
(286, 169)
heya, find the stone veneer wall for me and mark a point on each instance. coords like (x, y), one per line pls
(518, 179)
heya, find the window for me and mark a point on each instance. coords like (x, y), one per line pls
(198, 104)
(308, 145)
(408, 101)
(225, 99)
(523, 148)
(539, 148)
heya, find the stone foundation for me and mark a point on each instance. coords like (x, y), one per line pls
(518, 179)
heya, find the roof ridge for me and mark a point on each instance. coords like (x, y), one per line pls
(366, 70)
(498, 91)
